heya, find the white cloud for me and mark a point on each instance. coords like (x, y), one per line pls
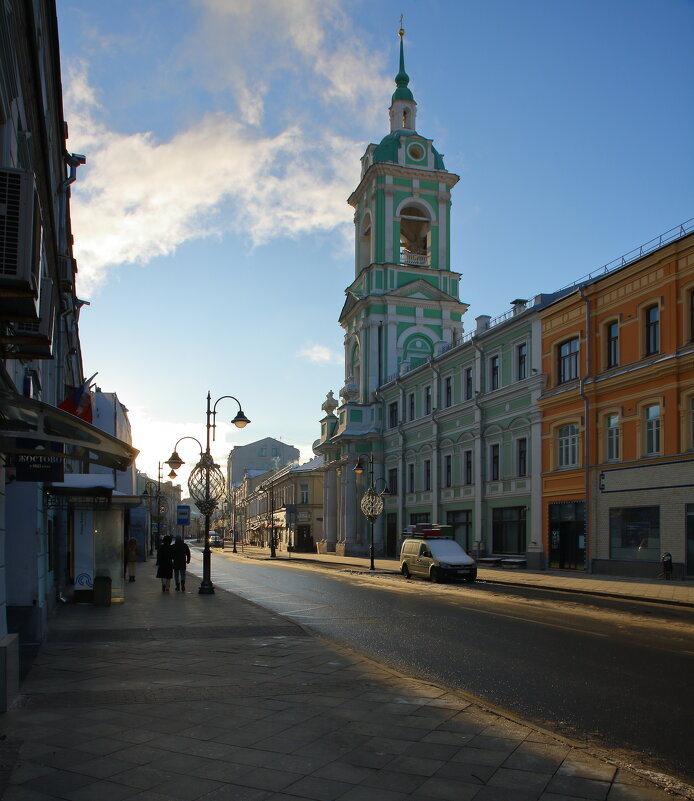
(139, 198)
(319, 354)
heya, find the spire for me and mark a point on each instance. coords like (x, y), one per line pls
(402, 79)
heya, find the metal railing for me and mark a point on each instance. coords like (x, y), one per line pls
(415, 259)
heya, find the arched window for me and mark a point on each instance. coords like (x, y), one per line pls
(415, 236)
(365, 257)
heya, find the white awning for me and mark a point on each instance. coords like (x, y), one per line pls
(28, 419)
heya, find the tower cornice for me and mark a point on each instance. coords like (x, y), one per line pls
(450, 179)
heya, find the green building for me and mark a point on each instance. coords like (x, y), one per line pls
(447, 420)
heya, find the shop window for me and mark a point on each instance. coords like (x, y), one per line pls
(419, 518)
(460, 522)
(635, 533)
(508, 530)
(652, 330)
(568, 361)
(652, 414)
(612, 436)
(567, 446)
(612, 337)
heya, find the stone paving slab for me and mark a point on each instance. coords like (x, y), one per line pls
(184, 697)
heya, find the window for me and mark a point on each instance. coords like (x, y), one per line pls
(691, 316)
(691, 423)
(411, 406)
(275, 452)
(567, 446)
(448, 471)
(448, 391)
(393, 480)
(393, 415)
(652, 330)
(493, 462)
(410, 477)
(427, 474)
(303, 489)
(522, 361)
(494, 373)
(427, 400)
(467, 467)
(262, 451)
(612, 331)
(568, 361)
(460, 522)
(418, 518)
(508, 530)
(653, 429)
(522, 457)
(468, 383)
(635, 533)
(612, 449)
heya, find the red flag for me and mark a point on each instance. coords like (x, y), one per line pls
(79, 402)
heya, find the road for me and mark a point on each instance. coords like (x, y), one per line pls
(616, 680)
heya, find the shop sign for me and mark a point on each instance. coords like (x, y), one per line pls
(38, 466)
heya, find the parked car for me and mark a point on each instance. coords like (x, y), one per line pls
(215, 540)
(436, 557)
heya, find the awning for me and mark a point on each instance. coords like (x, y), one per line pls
(28, 419)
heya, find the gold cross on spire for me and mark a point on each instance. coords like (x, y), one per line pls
(401, 32)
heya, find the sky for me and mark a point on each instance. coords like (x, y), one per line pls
(212, 232)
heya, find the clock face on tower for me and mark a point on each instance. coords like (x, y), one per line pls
(415, 151)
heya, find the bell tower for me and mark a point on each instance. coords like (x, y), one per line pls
(403, 305)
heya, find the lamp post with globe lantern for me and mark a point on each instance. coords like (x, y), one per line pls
(206, 482)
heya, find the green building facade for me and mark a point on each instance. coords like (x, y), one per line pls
(447, 420)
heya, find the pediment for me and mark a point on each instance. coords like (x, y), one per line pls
(419, 290)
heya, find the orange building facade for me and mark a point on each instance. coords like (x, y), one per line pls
(618, 417)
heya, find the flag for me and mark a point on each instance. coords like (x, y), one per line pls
(79, 402)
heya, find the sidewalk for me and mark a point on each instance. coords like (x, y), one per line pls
(680, 593)
(187, 696)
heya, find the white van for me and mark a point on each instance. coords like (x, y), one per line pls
(437, 558)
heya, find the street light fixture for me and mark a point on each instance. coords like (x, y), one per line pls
(372, 500)
(206, 481)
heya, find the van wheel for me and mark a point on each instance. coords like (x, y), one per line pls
(405, 570)
(435, 575)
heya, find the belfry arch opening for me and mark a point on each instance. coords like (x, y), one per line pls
(415, 236)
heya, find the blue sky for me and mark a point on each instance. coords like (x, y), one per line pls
(223, 137)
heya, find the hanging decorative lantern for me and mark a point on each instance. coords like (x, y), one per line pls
(206, 484)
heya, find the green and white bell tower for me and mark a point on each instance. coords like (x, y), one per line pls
(401, 309)
(403, 305)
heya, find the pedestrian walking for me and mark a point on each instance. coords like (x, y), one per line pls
(181, 557)
(131, 554)
(165, 563)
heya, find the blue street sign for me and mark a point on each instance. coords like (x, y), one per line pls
(182, 515)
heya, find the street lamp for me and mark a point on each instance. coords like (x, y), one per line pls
(268, 488)
(153, 498)
(206, 481)
(372, 500)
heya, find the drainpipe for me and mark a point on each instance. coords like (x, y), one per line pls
(73, 161)
(435, 483)
(586, 434)
(479, 483)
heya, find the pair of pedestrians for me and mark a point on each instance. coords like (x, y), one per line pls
(172, 559)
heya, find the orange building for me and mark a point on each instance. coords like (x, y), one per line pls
(618, 415)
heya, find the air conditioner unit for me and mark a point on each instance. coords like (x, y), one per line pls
(35, 340)
(20, 245)
(67, 267)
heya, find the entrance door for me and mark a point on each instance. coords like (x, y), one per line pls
(391, 534)
(304, 540)
(690, 539)
(567, 536)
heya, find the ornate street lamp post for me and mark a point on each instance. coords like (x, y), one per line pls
(206, 482)
(372, 501)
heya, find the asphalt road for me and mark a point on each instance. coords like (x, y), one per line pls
(617, 680)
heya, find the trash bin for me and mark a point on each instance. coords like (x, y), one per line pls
(102, 591)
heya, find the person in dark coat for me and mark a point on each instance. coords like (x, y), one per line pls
(165, 563)
(131, 553)
(181, 558)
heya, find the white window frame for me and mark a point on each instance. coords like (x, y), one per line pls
(652, 425)
(567, 445)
